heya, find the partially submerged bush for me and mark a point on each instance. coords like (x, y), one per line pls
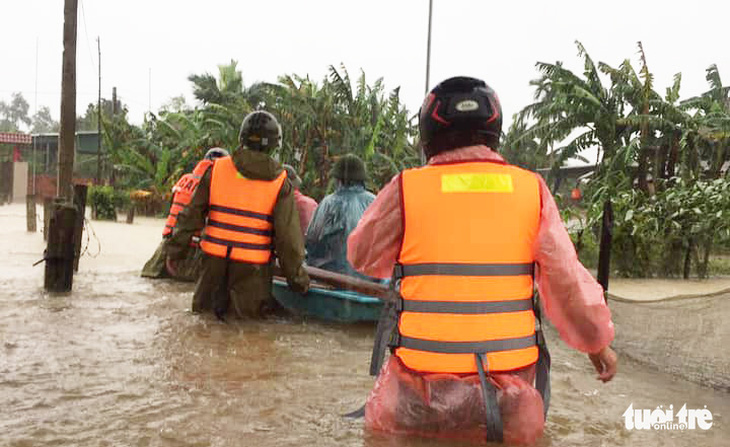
(671, 233)
(105, 201)
(101, 199)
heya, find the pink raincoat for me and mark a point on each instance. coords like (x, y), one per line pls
(306, 207)
(570, 296)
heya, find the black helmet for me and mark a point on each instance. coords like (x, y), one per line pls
(216, 152)
(459, 112)
(260, 132)
(349, 169)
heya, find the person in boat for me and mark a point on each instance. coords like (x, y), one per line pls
(189, 266)
(305, 204)
(245, 206)
(337, 215)
(464, 237)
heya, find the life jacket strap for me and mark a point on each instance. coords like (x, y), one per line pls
(240, 212)
(542, 367)
(452, 269)
(235, 244)
(239, 228)
(495, 432)
(469, 347)
(467, 307)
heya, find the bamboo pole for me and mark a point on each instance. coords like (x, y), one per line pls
(30, 213)
(345, 282)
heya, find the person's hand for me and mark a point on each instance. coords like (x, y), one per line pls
(171, 266)
(605, 363)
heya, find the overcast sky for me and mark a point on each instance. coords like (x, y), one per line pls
(498, 41)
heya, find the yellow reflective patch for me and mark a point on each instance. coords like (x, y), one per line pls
(482, 182)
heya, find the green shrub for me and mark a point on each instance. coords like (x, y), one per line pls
(671, 233)
(102, 201)
(121, 199)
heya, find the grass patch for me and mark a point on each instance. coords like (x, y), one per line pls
(719, 265)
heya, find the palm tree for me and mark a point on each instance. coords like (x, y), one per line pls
(227, 88)
(521, 148)
(711, 139)
(567, 103)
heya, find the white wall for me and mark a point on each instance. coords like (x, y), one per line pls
(20, 181)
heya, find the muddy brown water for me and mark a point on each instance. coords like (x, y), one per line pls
(120, 361)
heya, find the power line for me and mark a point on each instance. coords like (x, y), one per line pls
(86, 33)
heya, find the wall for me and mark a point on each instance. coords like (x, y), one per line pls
(20, 181)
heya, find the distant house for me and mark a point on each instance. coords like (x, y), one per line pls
(567, 177)
(13, 168)
(45, 146)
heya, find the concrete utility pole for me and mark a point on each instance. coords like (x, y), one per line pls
(67, 139)
(59, 255)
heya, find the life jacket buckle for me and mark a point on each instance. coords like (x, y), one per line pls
(397, 272)
(539, 337)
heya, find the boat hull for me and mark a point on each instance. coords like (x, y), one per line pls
(326, 304)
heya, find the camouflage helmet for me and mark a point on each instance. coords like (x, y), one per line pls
(215, 152)
(350, 169)
(260, 131)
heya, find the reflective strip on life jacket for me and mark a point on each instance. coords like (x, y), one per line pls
(467, 307)
(465, 267)
(240, 218)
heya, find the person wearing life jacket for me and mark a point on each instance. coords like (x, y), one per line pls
(465, 239)
(182, 192)
(305, 204)
(245, 207)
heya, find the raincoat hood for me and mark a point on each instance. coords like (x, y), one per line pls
(256, 165)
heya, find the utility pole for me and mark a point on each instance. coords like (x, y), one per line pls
(59, 255)
(428, 61)
(149, 92)
(428, 44)
(98, 120)
(114, 101)
(67, 139)
(604, 250)
(35, 110)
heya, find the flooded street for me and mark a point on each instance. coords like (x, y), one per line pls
(121, 362)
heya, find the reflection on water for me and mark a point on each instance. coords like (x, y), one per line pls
(120, 361)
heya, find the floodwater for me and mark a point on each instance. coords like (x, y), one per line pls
(120, 361)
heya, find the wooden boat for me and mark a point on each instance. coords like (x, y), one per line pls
(328, 303)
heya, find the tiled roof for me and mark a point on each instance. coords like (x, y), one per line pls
(15, 138)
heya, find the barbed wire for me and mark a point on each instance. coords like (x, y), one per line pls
(85, 250)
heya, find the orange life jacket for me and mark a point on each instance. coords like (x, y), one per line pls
(466, 267)
(240, 218)
(182, 193)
